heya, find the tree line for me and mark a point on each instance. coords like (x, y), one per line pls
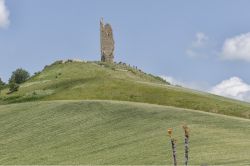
(17, 77)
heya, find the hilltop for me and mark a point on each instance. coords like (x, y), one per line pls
(103, 81)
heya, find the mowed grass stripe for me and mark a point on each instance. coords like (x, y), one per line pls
(106, 132)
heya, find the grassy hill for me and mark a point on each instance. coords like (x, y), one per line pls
(69, 113)
(109, 132)
(101, 81)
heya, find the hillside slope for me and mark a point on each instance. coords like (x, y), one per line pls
(108, 132)
(89, 80)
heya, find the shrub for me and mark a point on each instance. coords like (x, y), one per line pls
(45, 67)
(19, 76)
(2, 84)
(13, 87)
(69, 61)
(37, 73)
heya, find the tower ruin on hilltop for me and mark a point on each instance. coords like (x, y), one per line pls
(107, 42)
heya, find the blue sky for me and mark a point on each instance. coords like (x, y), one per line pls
(199, 44)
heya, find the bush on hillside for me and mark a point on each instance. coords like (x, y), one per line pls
(2, 84)
(37, 73)
(57, 62)
(19, 76)
(13, 87)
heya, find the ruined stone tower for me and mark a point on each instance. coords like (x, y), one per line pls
(107, 42)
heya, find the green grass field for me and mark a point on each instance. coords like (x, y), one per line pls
(108, 132)
(98, 113)
(101, 81)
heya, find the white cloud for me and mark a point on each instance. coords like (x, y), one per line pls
(200, 39)
(4, 15)
(234, 87)
(237, 48)
(198, 46)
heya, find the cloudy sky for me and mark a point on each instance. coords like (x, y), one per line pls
(198, 44)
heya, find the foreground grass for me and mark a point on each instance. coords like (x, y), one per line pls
(105, 132)
(81, 80)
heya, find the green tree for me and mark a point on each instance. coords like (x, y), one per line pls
(2, 84)
(19, 76)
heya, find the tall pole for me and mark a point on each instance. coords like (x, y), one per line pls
(186, 141)
(173, 143)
